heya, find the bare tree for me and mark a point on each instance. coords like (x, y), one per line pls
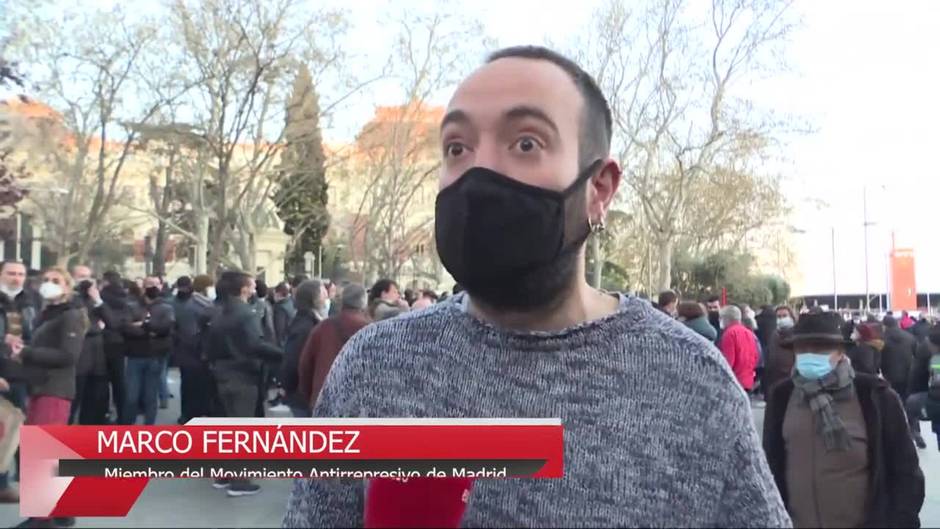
(93, 78)
(686, 134)
(398, 151)
(244, 55)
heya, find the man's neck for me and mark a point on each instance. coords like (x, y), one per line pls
(580, 304)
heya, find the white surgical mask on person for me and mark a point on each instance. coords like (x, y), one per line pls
(326, 305)
(50, 291)
(785, 322)
(210, 293)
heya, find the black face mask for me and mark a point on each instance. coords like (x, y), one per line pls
(510, 244)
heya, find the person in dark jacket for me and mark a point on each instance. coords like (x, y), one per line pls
(693, 315)
(262, 307)
(149, 338)
(238, 351)
(309, 301)
(921, 329)
(865, 355)
(91, 384)
(328, 339)
(766, 325)
(190, 308)
(283, 312)
(837, 442)
(18, 311)
(897, 355)
(918, 384)
(115, 297)
(778, 365)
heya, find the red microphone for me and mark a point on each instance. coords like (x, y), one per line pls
(416, 502)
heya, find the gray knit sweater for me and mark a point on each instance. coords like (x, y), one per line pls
(657, 430)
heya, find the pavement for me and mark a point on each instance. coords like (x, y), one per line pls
(194, 503)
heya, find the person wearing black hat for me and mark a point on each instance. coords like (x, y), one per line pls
(837, 442)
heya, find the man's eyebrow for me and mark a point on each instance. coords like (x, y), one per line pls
(526, 111)
(455, 116)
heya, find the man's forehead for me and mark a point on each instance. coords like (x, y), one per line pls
(507, 83)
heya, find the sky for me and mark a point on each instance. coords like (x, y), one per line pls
(863, 73)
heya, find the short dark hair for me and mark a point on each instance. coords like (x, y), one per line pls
(690, 310)
(789, 311)
(231, 283)
(430, 294)
(596, 121)
(380, 286)
(667, 297)
(4, 264)
(297, 280)
(261, 288)
(282, 289)
(111, 277)
(712, 299)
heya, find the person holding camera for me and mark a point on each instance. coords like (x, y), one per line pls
(91, 373)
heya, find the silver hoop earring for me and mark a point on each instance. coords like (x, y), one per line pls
(598, 227)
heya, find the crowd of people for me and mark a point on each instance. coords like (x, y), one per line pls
(658, 424)
(845, 378)
(81, 349)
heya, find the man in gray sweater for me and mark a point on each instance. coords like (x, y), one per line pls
(657, 430)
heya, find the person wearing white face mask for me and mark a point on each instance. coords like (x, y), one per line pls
(837, 441)
(54, 351)
(56, 345)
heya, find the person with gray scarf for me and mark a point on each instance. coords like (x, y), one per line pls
(837, 441)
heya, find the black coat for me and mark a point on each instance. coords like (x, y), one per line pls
(919, 377)
(920, 330)
(121, 317)
(284, 313)
(766, 327)
(778, 365)
(154, 337)
(92, 360)
(896, 358)
(297, 334)
(190, 312)
(896, 489)
(865, 359)
(237, 342)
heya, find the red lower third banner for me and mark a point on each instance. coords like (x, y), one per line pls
(102, 470)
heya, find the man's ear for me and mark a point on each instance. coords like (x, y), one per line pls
(604, 187)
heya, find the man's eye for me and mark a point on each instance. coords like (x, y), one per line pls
(453, 149)
(527, 144)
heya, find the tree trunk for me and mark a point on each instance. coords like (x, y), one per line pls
(202, 243)
(664, 257)
(159, 250)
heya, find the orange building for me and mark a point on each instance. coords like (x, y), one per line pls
(903, 286)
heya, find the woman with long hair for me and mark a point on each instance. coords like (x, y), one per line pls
(54, 350)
